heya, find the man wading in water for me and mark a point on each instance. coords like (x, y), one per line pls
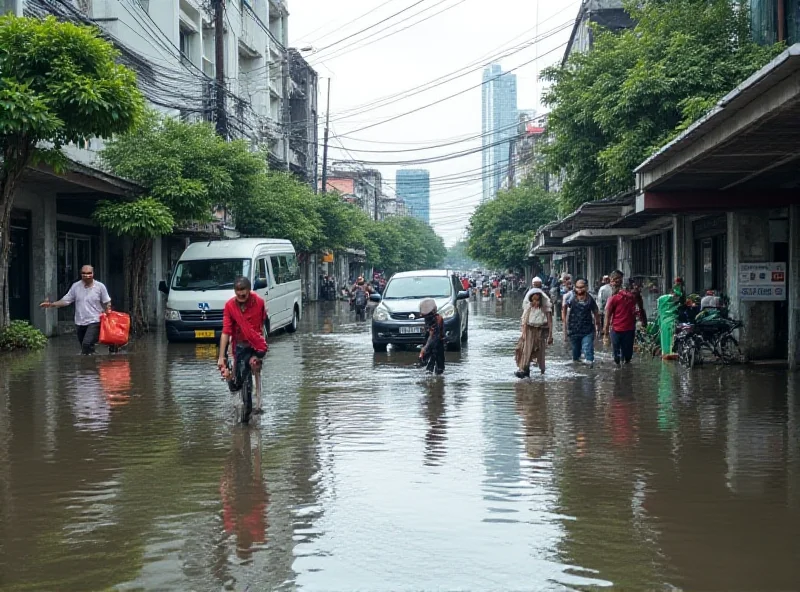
(91, 299)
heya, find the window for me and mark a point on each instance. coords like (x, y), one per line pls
(647, 256)
(279, 268)
(263, 273)
(419, 287)
(293, 269)
(209, 274)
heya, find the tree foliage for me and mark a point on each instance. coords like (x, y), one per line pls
(59, 83)
(615, 105)
(185, 166)
(404, 243)
(143, 218)
(501, 230)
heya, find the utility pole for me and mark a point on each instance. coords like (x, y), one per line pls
(219, 56)
(510, 164)
(325, 145)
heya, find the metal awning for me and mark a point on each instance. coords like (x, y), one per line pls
(748, 143)
(593, 236)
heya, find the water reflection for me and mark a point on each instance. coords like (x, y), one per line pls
(434, 411)
(244, 493)
(129, 471)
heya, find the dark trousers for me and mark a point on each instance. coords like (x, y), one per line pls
(88, 336)
(435, 359)
(622, 344)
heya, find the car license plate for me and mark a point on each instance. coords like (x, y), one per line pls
(204, 334)
(412, 330)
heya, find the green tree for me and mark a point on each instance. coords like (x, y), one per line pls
(501, 230)
(186, 171)
(59, 83)
(458, 258)
(404, 243)
(615, 105)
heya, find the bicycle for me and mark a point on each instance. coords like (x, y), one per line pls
(715, 338)
(246, 386)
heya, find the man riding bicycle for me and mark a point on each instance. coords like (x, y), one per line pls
(243, 321)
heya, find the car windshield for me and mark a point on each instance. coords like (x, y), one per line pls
(209, 274)
(418, 287)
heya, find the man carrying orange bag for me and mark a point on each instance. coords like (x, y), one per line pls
(91, 299)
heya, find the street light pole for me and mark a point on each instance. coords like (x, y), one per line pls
(325, 145)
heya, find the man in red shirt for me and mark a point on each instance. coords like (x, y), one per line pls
(621, 312)
(243, 327)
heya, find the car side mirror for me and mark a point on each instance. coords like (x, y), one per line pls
(375, 297)
(260, 284)
(163, 287)
(463, 295)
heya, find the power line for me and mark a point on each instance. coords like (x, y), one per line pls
(355, 20)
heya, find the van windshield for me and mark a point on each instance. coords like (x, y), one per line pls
(418, 287)
(209, 274)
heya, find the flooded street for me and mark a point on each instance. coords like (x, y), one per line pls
(129, 472)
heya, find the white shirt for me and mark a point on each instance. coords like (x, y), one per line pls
(603, 294)
(536, 317)
(89, 301)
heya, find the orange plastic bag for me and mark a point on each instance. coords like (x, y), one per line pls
(115, 327)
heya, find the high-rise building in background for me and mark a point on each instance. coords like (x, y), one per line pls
(499, 108)
(414, 188)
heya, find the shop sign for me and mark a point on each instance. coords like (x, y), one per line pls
(762, 281)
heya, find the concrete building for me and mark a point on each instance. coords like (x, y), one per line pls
(609, 14)
(362, 187)
(527, 155)
(170, 45)
(413, 186)
(719, 206)
(499, 123)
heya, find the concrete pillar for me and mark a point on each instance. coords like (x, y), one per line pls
(748, 242)
(677, 246)
(624, 255)
(793, 287)
(591, 266)
(155, 304)
(669, 275)
(44, 260)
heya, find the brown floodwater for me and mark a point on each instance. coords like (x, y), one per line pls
(129, 472)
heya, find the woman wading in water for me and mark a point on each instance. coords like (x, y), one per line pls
(537, 332)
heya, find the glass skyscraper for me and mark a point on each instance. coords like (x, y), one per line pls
(499, 110)
(414, 188)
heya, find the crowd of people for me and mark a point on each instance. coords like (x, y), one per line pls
(584, 318)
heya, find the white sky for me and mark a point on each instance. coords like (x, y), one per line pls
(466, 32)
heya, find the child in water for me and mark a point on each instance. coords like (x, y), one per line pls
(432, 354)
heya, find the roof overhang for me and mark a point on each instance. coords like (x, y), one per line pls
(592, 236)
(746, 148)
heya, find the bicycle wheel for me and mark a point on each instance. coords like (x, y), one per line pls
(729, 351)
(247, 396)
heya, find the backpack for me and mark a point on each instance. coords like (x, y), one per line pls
(360, 297)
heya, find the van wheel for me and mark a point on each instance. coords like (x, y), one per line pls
(454, 346)
(292, 327)
(266, 328)
(465, 334)
(378, 347)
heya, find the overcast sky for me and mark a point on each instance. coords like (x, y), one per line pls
(465, 33)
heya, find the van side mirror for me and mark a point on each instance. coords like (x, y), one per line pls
(375, 297)
(163, 287)
(260, 284)
(463, 295)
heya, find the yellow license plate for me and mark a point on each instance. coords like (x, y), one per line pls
(204, 334)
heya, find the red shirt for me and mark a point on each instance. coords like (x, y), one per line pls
(255, 313)
(621, 307)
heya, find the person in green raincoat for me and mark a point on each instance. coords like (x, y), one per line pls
(668, 308)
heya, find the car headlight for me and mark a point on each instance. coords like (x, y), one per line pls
(448, 311)
(380, 314)
(172, 315)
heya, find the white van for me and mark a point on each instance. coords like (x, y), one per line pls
(202, 283)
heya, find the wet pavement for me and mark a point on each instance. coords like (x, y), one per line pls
(128, 472)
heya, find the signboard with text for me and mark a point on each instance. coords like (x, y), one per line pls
(762, 281)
